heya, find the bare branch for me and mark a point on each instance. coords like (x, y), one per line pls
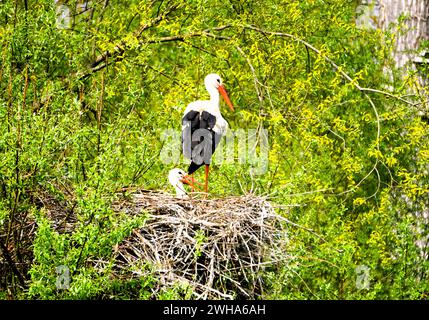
(122, 45)
(101, 61)
(352, 81)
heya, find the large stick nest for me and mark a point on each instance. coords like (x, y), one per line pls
(218, 247)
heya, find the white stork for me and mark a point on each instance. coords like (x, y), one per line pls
(202, 128)
(175, 176)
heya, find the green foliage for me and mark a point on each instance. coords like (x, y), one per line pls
(83, 109)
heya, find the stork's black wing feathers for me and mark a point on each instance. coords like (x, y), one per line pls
(192, 117)
(208, 120)
(191, 149)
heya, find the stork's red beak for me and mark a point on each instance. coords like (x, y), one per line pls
(222, 91)
(187, 180)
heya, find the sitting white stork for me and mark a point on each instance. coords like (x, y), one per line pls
(175, 177)
(202, 128)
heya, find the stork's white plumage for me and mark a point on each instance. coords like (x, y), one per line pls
(214, 86)
(175, 177)
(203, 124)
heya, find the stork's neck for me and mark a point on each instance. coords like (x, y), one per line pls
(180, 190)
(214, 96)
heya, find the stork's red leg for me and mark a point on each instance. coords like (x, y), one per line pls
(206, 185)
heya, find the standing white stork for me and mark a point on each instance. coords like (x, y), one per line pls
(202, 128)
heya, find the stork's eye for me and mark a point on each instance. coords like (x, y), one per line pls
(218, 80)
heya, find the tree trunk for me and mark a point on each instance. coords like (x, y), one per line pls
(385, 14)
(416, 28)
(408, 55)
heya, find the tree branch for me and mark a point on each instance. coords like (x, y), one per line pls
(354, 82)
(101, 62)
(122, 45)
(11, 263)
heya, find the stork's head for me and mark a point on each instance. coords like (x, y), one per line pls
(175, 176)
(213, 80)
